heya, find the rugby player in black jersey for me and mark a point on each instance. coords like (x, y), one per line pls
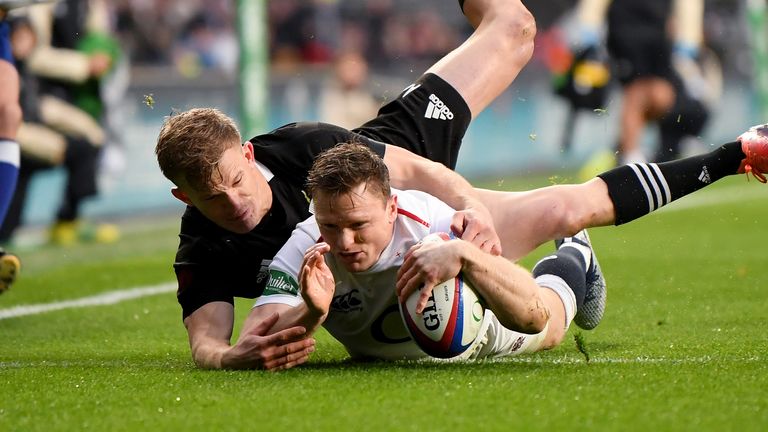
(245, 199)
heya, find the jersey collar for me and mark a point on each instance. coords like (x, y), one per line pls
(266, 172)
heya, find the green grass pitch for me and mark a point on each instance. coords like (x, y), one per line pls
(683, 346)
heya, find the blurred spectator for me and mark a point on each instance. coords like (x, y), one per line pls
(62, 52)
(656, 49)
(651, 65)
(193, 34)
(205, 46)
(345, 100)
(295, 33)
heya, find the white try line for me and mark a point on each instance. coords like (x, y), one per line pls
(627, 360)
(526, 359)
(107, 298)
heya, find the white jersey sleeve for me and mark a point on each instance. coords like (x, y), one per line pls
(283, 284)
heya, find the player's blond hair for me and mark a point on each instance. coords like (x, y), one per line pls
(343, 167)
(191, 144)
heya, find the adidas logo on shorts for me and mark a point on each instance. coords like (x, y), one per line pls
(436, 109)
(704, 176)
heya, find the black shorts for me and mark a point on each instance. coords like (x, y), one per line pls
(640, 55)
(428, 118)
(637, 39)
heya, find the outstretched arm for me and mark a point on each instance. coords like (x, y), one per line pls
(210, 330)
(472, 222)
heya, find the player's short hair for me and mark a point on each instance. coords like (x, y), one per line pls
(343, 167)
(191, 144)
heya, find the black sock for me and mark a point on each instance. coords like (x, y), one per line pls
(569, 266)
(640, 188)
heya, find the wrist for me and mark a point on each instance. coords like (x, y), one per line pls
(685, 50)
(315, 315)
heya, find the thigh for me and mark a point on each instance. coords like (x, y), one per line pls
(428, 118)
(526, 220)
(523, 220)
(484, 66)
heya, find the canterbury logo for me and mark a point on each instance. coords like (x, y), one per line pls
(347, 302)
(436, 109)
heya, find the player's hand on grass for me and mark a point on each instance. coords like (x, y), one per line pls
(474, 224)
(258, 349)
(426, 265)
(316, 280)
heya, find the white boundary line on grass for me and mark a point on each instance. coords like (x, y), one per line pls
(724, 195)
(525, 359)
(107, 298)
(628, 360)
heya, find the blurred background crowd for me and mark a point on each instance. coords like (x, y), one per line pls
(336, 61)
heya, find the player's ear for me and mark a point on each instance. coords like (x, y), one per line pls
(248, 151)
(181, 196)
(392, 208)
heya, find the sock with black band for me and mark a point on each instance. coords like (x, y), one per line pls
(640, 188)
(567, 264)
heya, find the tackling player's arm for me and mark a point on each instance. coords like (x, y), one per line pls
(210, 331)
(507, 289)
(472, 221)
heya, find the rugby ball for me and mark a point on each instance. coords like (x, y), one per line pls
(452, 319)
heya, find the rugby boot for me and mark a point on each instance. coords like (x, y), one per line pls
(754, 144)
(589, 315)
(10, 265)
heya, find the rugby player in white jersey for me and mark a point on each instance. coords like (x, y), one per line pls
(346, 266)
(369, 230)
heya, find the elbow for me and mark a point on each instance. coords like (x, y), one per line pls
(537, 324)
(568, 217)
(531, 319)
(533, 325)
(203, 361)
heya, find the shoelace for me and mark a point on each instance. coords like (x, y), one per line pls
(749, 169)
(755, 173)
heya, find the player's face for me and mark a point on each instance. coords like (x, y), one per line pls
(358, 226)
(241, 196)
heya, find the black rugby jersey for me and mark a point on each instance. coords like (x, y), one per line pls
(213, 264)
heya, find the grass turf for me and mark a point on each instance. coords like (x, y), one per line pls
(682, 346)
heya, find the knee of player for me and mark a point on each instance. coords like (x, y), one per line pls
(567, 219)
(518, 24)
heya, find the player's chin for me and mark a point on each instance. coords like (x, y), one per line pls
(355, 264)
(240, 226)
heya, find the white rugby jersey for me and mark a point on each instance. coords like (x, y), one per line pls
(364, 314)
